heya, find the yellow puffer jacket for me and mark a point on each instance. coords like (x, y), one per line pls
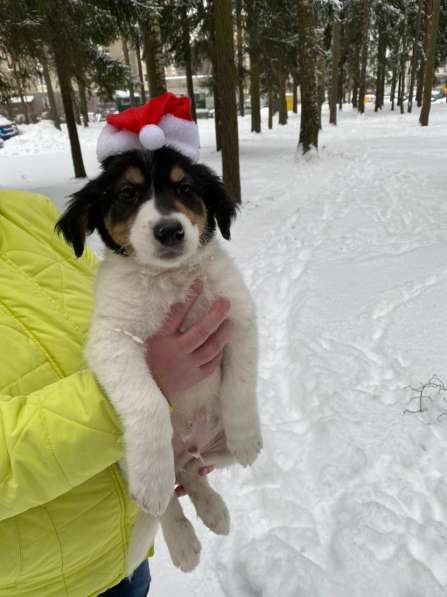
(65, 518)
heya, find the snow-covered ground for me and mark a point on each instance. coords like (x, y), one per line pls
(346, 255)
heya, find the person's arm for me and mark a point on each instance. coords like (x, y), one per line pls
(54, 439)
(60, 436)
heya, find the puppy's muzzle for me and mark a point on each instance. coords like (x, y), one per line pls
(169, 233)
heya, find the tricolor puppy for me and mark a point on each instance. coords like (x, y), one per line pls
(158, 213)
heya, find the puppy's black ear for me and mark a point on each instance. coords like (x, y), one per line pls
(217, 201)
(78, 219)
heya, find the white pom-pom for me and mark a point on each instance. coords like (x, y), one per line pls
(152, 137)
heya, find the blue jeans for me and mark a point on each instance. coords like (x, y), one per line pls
(136, 586)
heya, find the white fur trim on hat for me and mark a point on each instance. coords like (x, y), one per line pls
(113, 141)
(181, 134)
(152, 137)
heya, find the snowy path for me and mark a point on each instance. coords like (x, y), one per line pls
(346, 256)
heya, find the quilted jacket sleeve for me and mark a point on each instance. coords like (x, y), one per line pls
(52, 440)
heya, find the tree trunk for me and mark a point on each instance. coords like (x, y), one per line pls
(50, 93)
(255, 96)
(270, 100)
(127, 63)
(226, 80)
(215, 89)
(62, 64)
(309, 124)
(381, 69)
(403, 62)
(295, 95)
(430, 64)
(414, 57)
(335, 63)
(356, 76)
(240, 57)
(21, 92)
(321, 88)
(140, 72)
(76, 110)
(217, 117)
(399, 86)
(364, 59)
(255, 92)
(67, 99)
(393, 87)
(83, 101)
(153, 54)
(186, 41)
(341, 86)
(24, 107)
(423, 62)
(402, 91)
(282, 116)
(9, 110)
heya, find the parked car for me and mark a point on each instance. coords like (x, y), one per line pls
(437, 94)
(7, 128)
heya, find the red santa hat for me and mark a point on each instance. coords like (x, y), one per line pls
(163, 120)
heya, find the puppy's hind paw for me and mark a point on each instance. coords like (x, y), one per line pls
(245, 449)
(183, 545)
(213, 512)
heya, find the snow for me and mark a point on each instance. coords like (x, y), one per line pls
(346, 256)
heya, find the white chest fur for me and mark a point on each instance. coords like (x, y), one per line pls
(132, 303)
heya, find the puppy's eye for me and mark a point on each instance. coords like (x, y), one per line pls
(185, 188)
(127, 193)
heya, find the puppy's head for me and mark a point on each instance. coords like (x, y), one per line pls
(158, 206)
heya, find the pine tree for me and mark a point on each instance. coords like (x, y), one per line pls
(126, 55)
(226, 80)
(254, 52)
(309, 126)
(240, 57)
(50, 92)
(153, 53)
(430, 63)
(336, 30)
(415, 55)
(364, 56)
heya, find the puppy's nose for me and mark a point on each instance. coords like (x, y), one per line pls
(169, 232)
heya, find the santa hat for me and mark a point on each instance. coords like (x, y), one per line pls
(163, 120)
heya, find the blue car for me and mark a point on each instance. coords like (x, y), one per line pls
(7, 128)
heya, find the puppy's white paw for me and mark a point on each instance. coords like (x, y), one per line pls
(152, 494)
(183, 545)
(245, 447)
(150, 464)
(213, 512)
(152, 486)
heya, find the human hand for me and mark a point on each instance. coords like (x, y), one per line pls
(179, 360)
(203, 471)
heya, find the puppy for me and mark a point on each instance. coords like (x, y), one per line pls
(157, 213)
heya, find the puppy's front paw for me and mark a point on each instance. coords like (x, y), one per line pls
(152, 483)
(245, 447)
(214, 513)
(183, 545)
(150, 464)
